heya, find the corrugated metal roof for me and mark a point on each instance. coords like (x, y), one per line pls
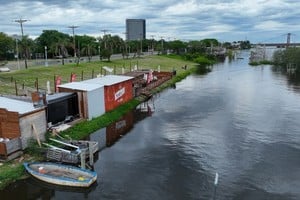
(82, 86)
(108, 80)
(13, 105)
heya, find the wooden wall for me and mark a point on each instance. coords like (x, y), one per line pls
(9, 124)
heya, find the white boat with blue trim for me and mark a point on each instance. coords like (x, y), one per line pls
(59, 174)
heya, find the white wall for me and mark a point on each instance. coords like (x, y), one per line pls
(96, 106)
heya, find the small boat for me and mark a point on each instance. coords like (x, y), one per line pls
(60, 174)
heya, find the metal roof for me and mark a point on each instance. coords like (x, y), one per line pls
(13, 105)
(59, 96)
(82, 86)
(108, 80)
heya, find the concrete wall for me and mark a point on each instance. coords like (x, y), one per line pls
(36, 119)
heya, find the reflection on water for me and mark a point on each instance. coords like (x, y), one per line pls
(112, 133)
(292, 79)
(34, 189)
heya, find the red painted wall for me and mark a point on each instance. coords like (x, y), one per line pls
(117, 94)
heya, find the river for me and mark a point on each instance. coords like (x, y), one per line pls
(239, 121)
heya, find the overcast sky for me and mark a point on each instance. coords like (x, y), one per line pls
(225, 20)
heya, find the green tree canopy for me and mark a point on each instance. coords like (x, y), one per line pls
(287, 57)
(58, 44)
(6, 46)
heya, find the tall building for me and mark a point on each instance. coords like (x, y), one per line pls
(135, 29)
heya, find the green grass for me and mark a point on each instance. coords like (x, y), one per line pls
(9, 172)
(85, 128)
(27, 78)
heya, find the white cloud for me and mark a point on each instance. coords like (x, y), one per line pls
(269, 25)
(186, 19)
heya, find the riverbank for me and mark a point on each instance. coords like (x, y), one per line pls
(13, 170)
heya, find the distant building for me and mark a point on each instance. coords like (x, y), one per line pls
(135, 29)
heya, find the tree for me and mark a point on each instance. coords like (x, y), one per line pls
(288, 57)
(107, 45)
(210, 42)
(177, 46)
(245, 44)
(58, 44)
(6, 46)
(27, 47)
(88, 45)
(195, 46)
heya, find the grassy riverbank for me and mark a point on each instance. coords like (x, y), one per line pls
(12, 171)
(33, 77)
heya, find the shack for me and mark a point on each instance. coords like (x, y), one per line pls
(117, 89)
(90, 98)
(20, 122)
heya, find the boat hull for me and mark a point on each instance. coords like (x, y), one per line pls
(59, 174)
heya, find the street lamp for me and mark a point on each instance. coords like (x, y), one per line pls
(17, 51)
(141, 44)
(46, 61)
(21, 21)
(73, 27)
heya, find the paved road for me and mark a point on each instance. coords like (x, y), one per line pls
(15, 65)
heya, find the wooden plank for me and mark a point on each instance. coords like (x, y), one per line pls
(3, 115)
(3, 148)
(64, 143)
(36, 135)
(54, 147)
(11, 156)
(10, 130)
(13, 117)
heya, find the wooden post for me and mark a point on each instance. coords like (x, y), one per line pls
(91, 154)
(37, 84)
(54, 78)
(114, 69)
(130, 65)
(82, 158)
(82, 75)
(36, 134)
(93, 73)
(16, 87)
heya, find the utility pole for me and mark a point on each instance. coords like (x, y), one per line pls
(288, 40)
(73, 27)
(141, 38)
(152, 41)
(125, 33)
(104, 33)
(162, 44)
(21, 21)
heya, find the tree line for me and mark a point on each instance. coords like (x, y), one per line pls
(61, 45)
